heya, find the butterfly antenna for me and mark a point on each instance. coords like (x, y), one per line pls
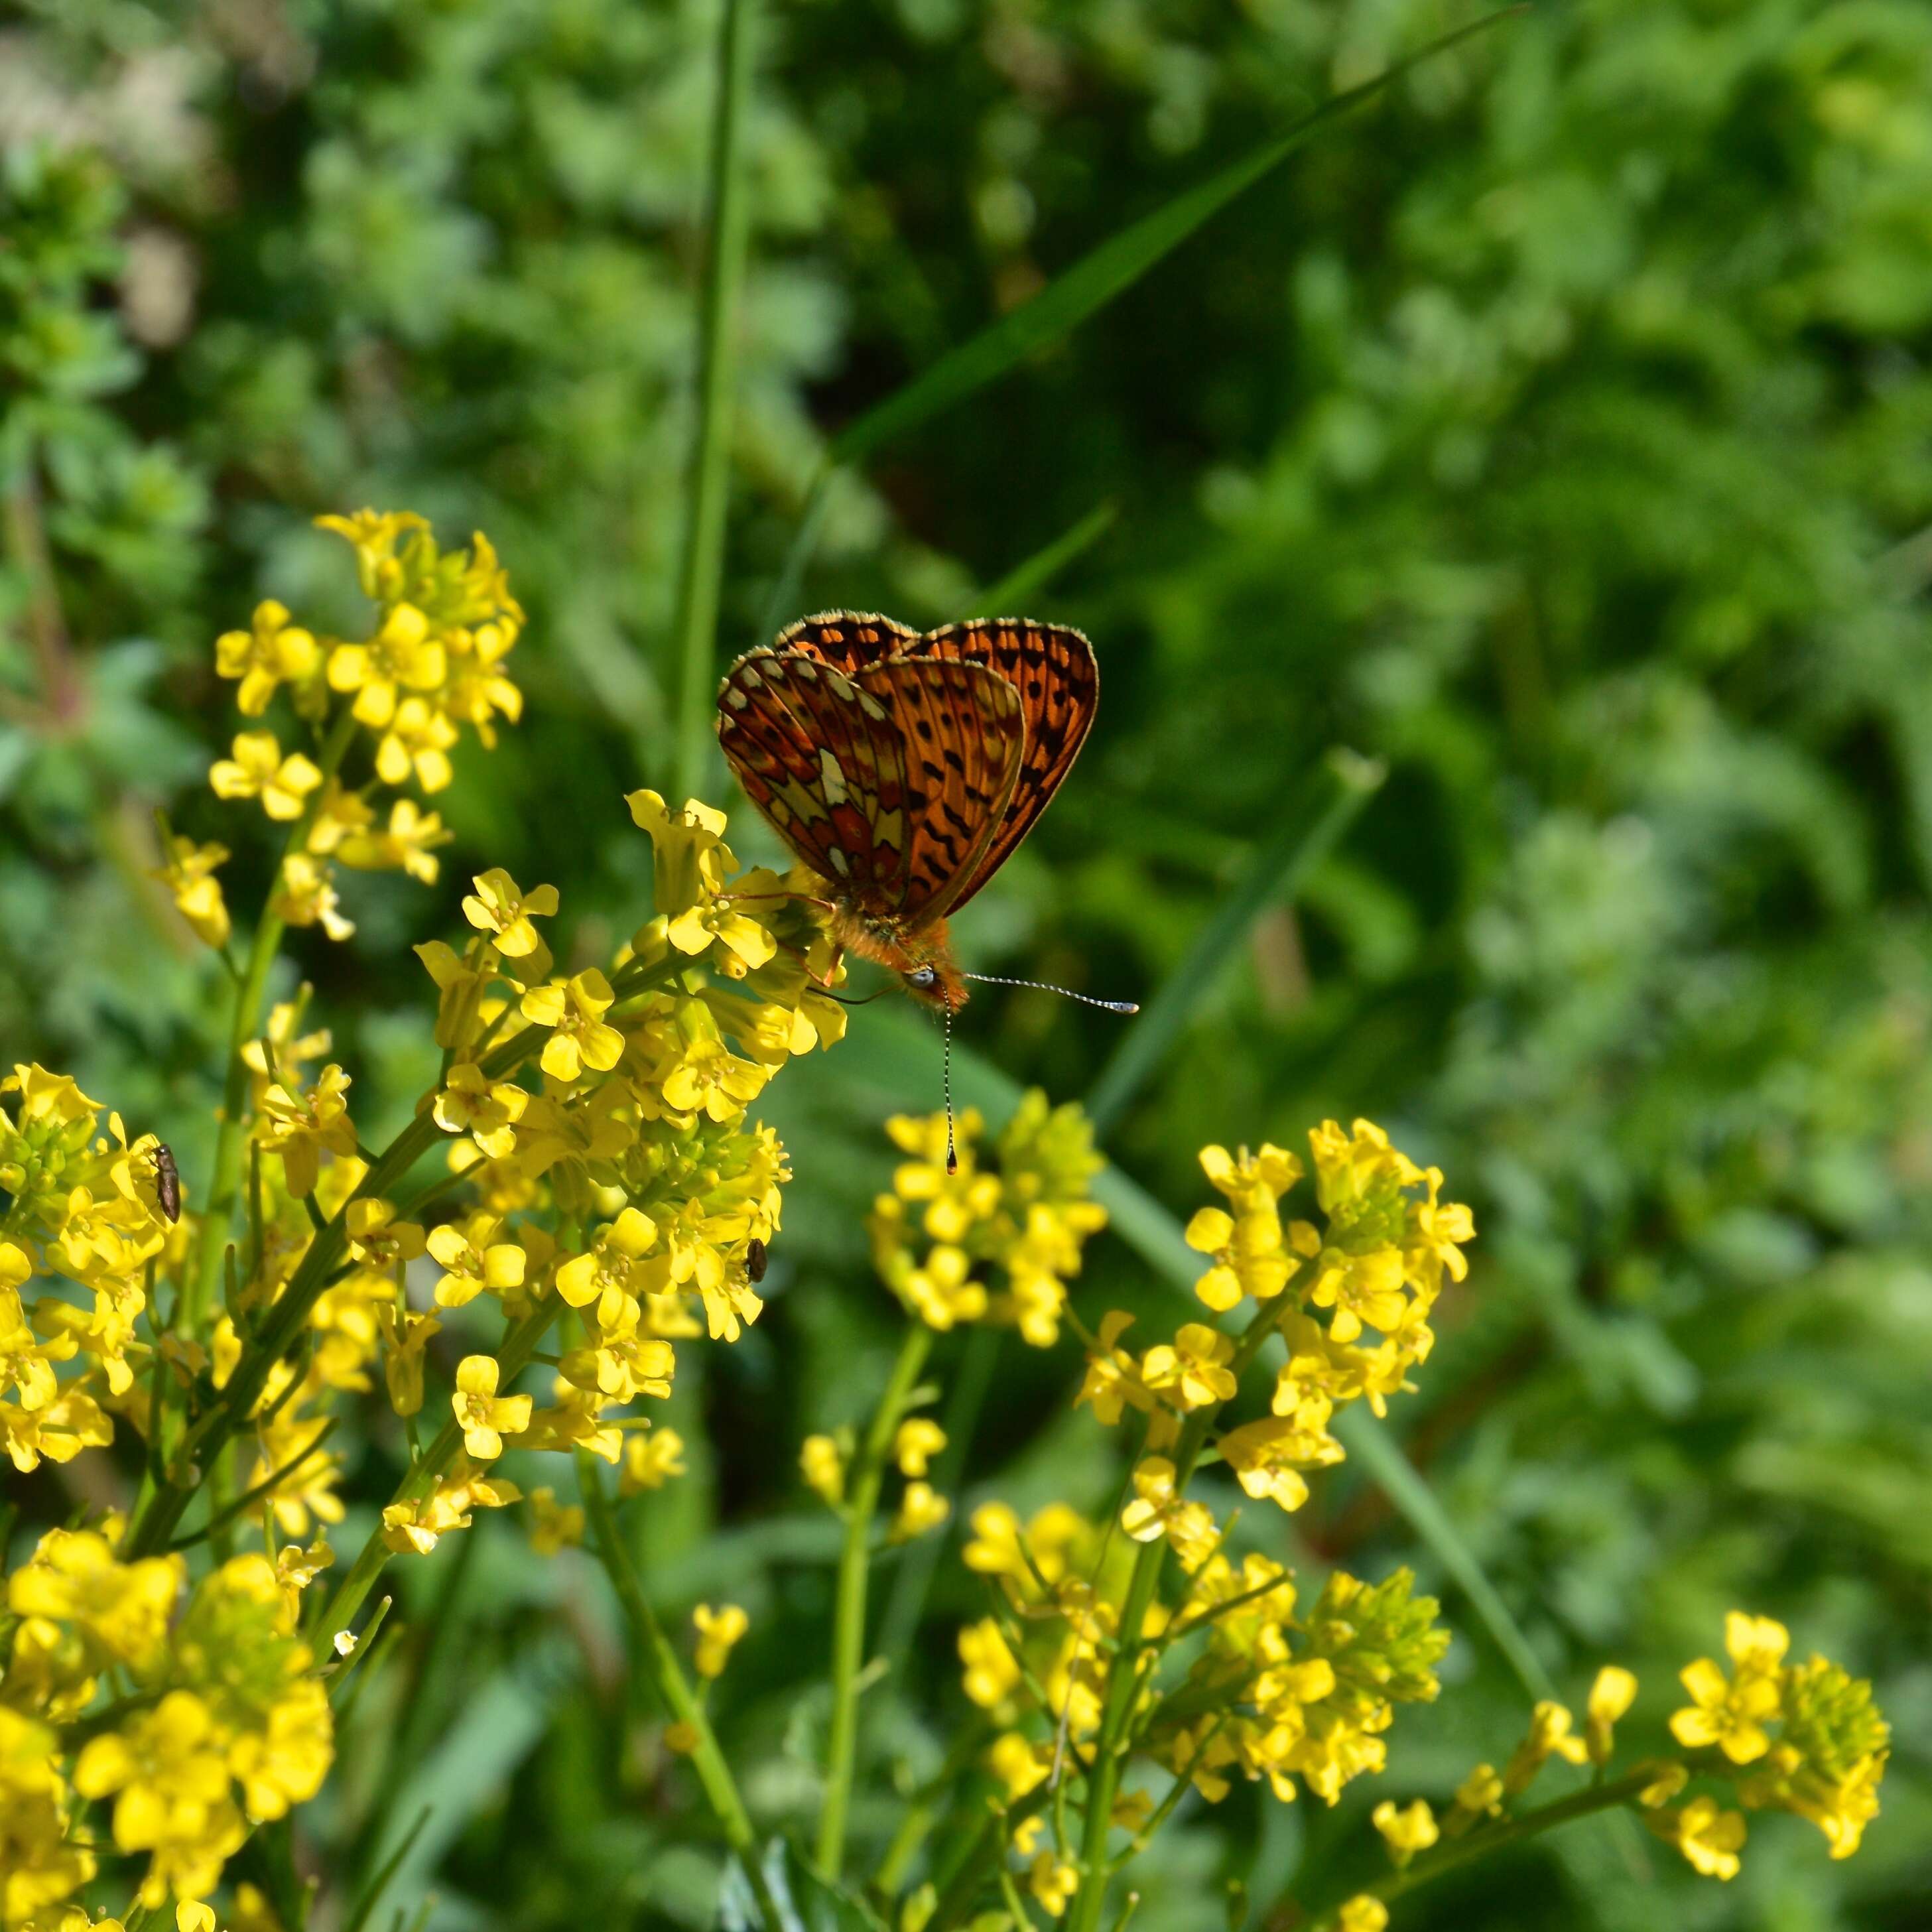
(1065, 992)
(946, 1076)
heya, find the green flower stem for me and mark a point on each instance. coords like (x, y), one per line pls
(658, 1659)
(848, 1627)
(702, 569)
(924, 1809)
(1124, 1680)
(232, 1141)
(519, 1346)
(285, 1322)
(1479, 1843)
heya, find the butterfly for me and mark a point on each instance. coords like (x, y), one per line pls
(904, 767)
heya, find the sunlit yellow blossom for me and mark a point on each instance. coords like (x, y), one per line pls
(1480, 1795)
(918, 1441)
(992, 1673)
(1406, 1830)
(306, 896)
(1364, 1912)
(1247, 1246)
(408, 845)
(1192, 1372)
(718, 1631)
(377, 1238)
(823, 1469)
(189, 875)
(1549, 1735)
(921, 1509)
(416, 743)
(1112, 1383)
(121, 1609)
(460, 985)
(1611, 1695)
(1731, 1713)
(574, 1009)
(942, 1292)
(403, 655)
(1156, 1509)
(1016, 1764)
(554, 1525)
(40, 1864)
(650, 1460)
(339, 812)
(405, 1336)
(485, 1109)
(374, 535)
(258, 769)
(273, 651)
(1269, 1455)
(472, 1261)
(1052, 1882)
(483, 1416)
(500, 907)
(614, 1263)
(1709, 1837)
(692, 860)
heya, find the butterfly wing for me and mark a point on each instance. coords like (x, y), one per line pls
(846, 640)
(1052, 670)
(890, 783)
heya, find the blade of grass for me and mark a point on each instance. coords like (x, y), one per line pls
(1007, 597)
(1116, 265)
(700, 571)
(780, 601)
(1324, 808)
(379, 1884)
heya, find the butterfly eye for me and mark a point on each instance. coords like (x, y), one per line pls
(921, 976)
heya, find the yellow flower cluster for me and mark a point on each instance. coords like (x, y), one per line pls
(227, 1725)
(83, 1211)
(444, 622)
(936, 1235)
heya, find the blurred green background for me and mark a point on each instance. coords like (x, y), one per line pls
(1558, 431)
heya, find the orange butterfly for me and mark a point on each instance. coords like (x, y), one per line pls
(903, 768)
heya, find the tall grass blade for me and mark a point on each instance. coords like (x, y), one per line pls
(379, 1884)
(781, 601)
(1007, 598)
(1115, 265)
(701, 571)
(1323, 809)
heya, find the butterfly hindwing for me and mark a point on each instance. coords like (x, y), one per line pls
(841, 766)
(1052, 670)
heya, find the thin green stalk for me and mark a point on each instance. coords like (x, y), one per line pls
(848, 1627)
(1455, 1851)
(1006, 596)
(658, 1661)
(1311, 823)
(701, 569)
(1124, 1679)
(922, 1809)
(232, 1140)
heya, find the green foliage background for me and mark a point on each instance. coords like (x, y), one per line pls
(1559, 431)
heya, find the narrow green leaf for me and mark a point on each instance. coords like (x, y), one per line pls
(1007, 598)
(1323, 808)
(379, 1884)
(1116, 265)
(701, 569)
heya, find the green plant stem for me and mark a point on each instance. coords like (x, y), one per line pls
(848, 1627)
(232, 1140)
(1479, 1843)
(286, 1323)
(658, 1661)
(701, 569)
(1124, 1678)
(923, 1808)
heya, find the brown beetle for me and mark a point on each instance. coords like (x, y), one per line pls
(167, 1180)
(755, 1259)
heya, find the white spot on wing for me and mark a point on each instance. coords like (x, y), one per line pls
(832, 777)
(839, 862)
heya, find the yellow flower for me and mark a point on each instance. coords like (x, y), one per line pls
(1548, 1736)
(338, 813)
(483, 1416)
(1364, 1912)
(1479, 1794)
(574, 1009)
(39, 1866)
(257, 769)
(553, 1526)
(377, 1238)
(1157, 1510)
(918, 1440)
(122, 1609)
(500, 907)
(691, 860)
(485, 1109)
(272, 653)
(402, 654)
(943, 1293)
(189, 875)
(472, 1261)
(1246, 1245)
(921, 1509)
(1194, 1369)
(717, 1631)
(1052, 1883)
(374, 534)
(306, 896)
(1612, 1693)
(1731, 1714)
(417, 741)
(614, 1264)
(1709, 1837)
(1016, 1763)
(1267, 1457)
(823, 1469)
(650, 1460)
(405, 1337)
(992, 1673)
(1406, 1831)
(407, 846)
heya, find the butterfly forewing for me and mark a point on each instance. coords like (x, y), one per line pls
(846, 640)
(1052, 670)
(889, 783)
